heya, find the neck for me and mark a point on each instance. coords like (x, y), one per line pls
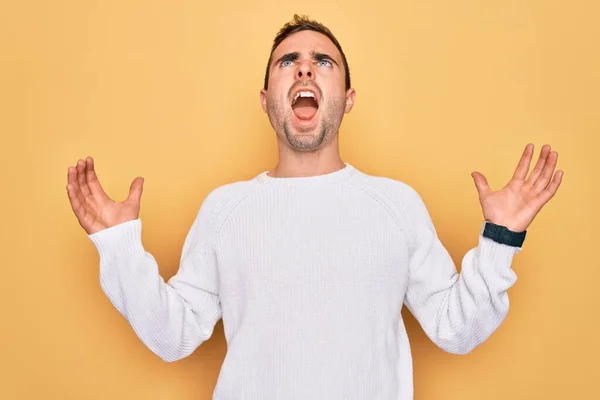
(294, 163)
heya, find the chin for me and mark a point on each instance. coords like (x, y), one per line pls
(305, 138)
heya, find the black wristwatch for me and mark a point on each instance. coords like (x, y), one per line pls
(503, 235)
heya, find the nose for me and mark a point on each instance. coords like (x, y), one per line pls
(305, 71)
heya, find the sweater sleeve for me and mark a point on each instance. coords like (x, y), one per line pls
(171, 318)
(457, 311)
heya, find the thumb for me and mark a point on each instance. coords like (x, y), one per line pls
(135, 190)
(481, 183)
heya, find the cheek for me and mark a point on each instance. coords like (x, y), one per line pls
(278, 97)
(332, 95)
(276, 103)
(330, 78)
(332, 88)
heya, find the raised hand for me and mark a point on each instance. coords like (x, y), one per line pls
(92, 207)
(516, 205)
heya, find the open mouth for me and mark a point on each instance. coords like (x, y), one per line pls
(305, 104)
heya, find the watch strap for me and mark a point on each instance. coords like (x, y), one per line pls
(503, 235)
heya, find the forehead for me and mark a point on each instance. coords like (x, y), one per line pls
(306, 41)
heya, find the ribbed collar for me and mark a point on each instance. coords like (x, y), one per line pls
(307, 181)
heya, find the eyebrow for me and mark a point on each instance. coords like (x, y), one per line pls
(322, 56)
(296, 55)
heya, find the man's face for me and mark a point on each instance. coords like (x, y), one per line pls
(306, 98)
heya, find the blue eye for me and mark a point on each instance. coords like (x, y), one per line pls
(285, 63)
(327, 63)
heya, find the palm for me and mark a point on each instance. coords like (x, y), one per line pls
(516, 204)
(94, 210)
(100, 212)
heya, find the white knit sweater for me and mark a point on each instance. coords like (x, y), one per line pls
(309, 276)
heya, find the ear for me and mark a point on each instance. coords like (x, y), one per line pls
(350, 95)
(263, 99)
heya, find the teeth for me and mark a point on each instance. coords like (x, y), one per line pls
(305, 93)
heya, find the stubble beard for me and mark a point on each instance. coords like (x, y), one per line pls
(301, 139)
(305, 143)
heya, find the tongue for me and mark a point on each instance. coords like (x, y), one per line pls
(306, 112)
(305, 109)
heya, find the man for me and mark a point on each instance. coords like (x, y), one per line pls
(309, 264)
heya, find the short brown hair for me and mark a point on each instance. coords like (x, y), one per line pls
(303, 23)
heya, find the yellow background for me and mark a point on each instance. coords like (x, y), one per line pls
(170, 91)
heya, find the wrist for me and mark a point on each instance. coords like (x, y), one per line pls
(511, 225)
(503, 234)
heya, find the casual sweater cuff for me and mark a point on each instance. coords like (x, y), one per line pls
(490, 249)
(118, 240)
